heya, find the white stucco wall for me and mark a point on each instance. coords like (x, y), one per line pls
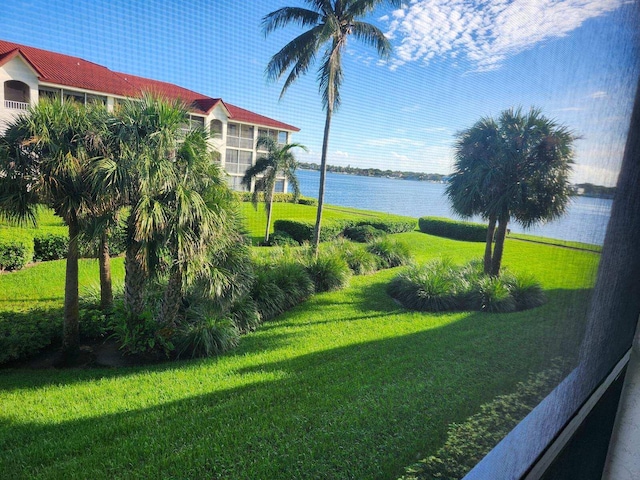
(16, 69)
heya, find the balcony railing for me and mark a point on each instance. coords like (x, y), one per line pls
(16, 105)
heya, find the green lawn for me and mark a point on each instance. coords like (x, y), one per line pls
(346, 385)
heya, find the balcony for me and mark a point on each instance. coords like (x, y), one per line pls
(16, 105)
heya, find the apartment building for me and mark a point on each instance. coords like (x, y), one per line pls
(28, 74)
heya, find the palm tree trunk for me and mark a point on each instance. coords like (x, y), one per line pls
(134, 274)
(499, 247)
(487, 250)
(171, 298)
(70, 334)
(104, 260)
(269, 206)
(323, 174)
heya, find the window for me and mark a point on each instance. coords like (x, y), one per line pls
(235, 183)
(50, 93)
(280, 136)
(246, 136)
(237, 161)
(215, 128)
(100, 99)
(196, 121)
(240, 136)
(279, 186)
(16, 95)
(233, 135)
(73, 96)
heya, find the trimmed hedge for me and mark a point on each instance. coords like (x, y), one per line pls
(443, 227)
(467, 443)
(363, 233)
(277, 198)
(50, 247)
(303, 231)
(390, 226)
(13, 256)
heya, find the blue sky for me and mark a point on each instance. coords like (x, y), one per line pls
(454, 61)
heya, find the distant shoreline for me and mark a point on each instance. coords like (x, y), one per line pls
(376, 172)
(580, 190)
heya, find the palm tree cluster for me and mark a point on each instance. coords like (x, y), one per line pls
(90, 166)
(516, 167)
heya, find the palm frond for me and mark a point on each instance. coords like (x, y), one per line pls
(372, 36)
(289, 15)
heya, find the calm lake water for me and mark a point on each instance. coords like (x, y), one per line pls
(585, 221)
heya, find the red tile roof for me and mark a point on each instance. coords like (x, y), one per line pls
(65, 70)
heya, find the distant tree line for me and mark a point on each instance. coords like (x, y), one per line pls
(376, 172)
(591, 190)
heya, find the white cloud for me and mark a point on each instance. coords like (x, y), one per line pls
(486, 31)
(392, 141)
(341, 154)
(599, 94)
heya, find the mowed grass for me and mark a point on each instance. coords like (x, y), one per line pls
(346, 385)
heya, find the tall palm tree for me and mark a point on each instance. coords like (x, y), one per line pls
(45, 160)
(278, 160)
(516, 167)
(331, 22)
(472, 183)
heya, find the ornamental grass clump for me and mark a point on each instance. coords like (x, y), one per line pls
(390, 252)
(268, 296)
(525, 290)
(207, 337)
(434, 287)
(294, 280)
(440, 286)
(328, 271)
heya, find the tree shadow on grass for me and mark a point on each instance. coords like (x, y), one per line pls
(363, 410)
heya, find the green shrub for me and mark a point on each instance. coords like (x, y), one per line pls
(50, 247)
(268, 296)
(207, 337)
(328, 271)
(434, 287)
(313, 202)
(443, 227)
(390, 252)
(13, 256)
(245, 314)
(391, 226)
(467, 443)
(526, 291)
(23, 334)
(294, 281)
(363, 233)
(140, 335)
(495, 296)
(302, 231)
(277, 198)
(441, 286)
(280, 238)
(360, 260)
